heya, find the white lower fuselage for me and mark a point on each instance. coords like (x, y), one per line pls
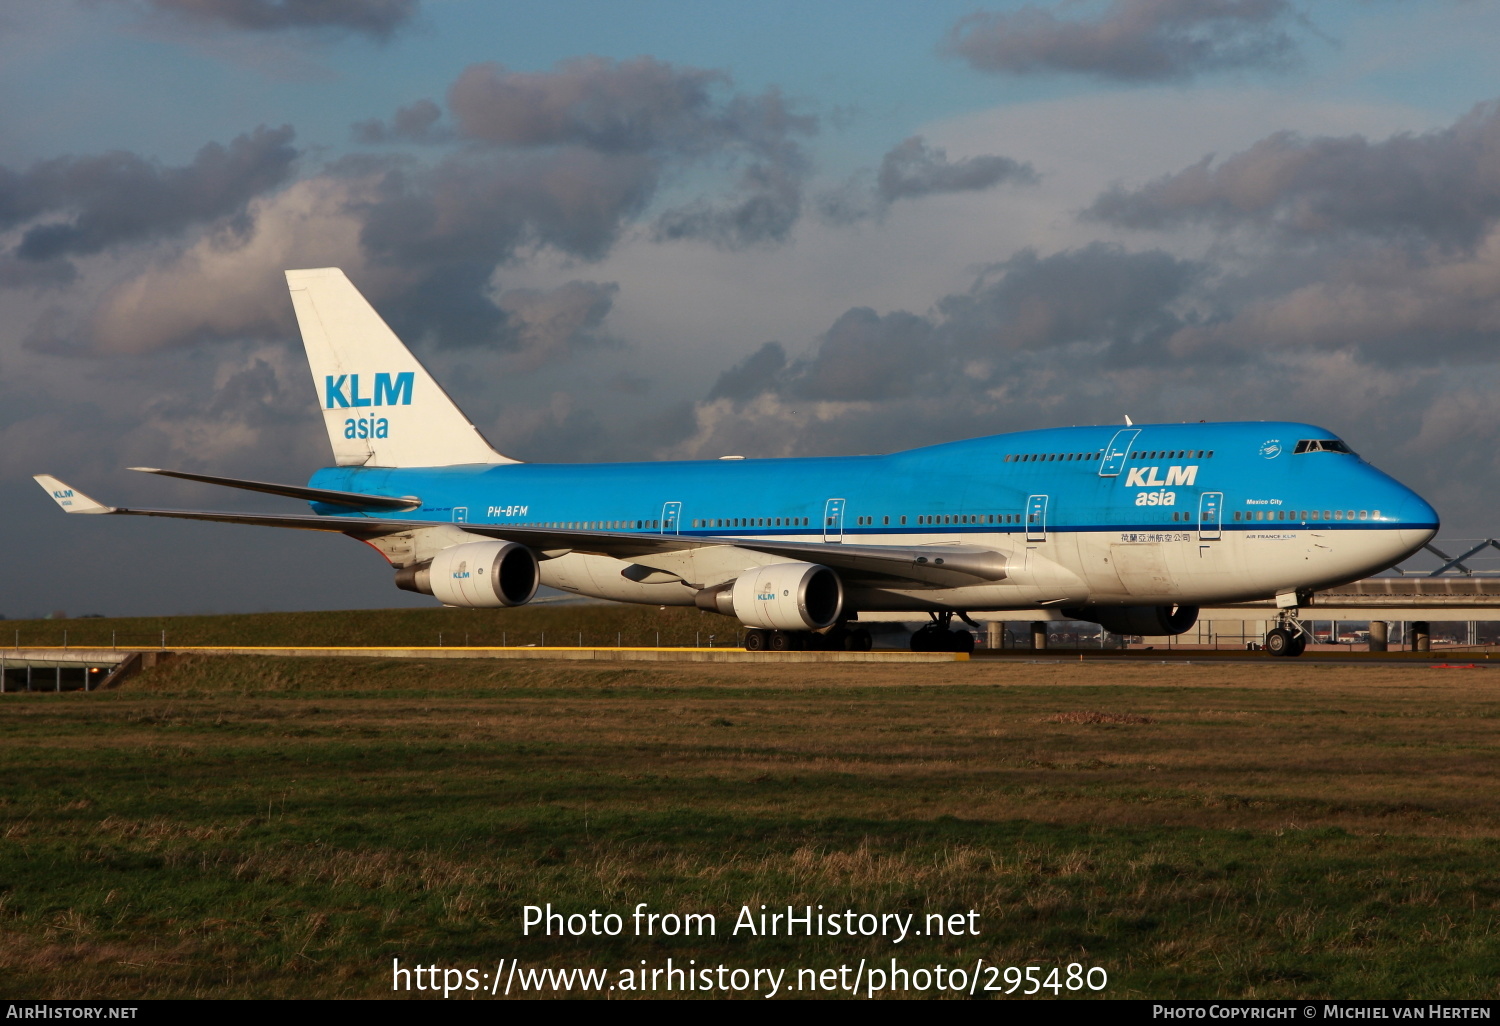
(1066, 568)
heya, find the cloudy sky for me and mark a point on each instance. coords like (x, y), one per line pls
(670, 229)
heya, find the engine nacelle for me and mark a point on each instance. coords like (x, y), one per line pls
(1143, 620)
(789, 597)
(483, 575)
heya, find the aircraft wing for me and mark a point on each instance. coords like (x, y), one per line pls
(944, 566)
(357, 500)
(930, 565)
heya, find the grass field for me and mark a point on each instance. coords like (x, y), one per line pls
(568, 623)
(261, 827)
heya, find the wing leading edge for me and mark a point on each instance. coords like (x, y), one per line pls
(923, 565)
(354, 500)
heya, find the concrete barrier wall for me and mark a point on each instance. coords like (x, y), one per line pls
(74, 657)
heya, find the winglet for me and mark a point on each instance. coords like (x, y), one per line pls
(70, 499)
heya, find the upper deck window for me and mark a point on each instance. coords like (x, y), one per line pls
(1323, 445)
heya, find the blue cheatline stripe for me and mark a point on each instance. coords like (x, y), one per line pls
(949, 530)
(952, 529)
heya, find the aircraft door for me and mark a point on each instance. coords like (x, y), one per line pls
(460, 514)
(671, 512)
(1117, 452)
(1209, 506)
(833, 520)
(1036, 518)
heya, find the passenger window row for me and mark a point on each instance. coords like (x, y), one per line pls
(1307, 515)
(867, 521)
(1045, 457)
(970, 518)
(594, 525)
(1141, 454)
(1244, 516)
(751, 522)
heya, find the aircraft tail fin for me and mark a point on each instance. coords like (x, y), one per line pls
(381, 407)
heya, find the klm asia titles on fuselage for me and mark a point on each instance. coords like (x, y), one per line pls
(1130, 527)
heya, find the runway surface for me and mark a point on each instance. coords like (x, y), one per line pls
(1417, 660)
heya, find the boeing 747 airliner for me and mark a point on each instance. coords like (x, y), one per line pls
(1132, 527)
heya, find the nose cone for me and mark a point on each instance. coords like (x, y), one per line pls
(1416, 522)
(1412, 539)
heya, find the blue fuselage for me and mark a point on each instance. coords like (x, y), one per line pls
(1152, 479)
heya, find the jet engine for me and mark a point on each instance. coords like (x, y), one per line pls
(1143, 620)
(479, 575)
(784, 597)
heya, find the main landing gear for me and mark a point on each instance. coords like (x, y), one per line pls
(938, 636)
(1288, 637)
(836, 639)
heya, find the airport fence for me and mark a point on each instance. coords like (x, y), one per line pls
(593, 639)
(1012, 636)
(65, 638)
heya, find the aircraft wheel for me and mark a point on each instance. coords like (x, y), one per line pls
(784, 641)
(1281, 642)
(927, 639)
(962, 641)
(1299, 643)
(755, 640)
(859, 640)
(835, 640)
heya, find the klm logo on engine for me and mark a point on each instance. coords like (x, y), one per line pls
(1184, 476)
(344, 391)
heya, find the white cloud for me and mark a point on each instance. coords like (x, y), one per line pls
(229, 288)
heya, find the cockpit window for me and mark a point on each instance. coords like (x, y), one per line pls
(1323, 445)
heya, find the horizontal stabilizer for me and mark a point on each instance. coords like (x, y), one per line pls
(70, 499)
(355, 500)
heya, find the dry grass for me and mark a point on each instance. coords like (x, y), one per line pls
(1094, 716)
